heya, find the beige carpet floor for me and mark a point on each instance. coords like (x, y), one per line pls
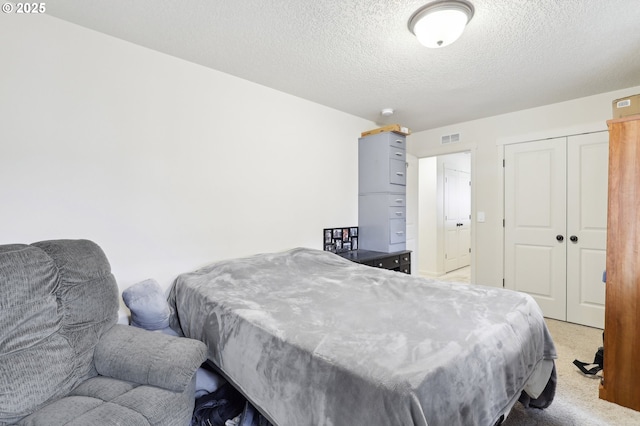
(576, 402)
(461, 275)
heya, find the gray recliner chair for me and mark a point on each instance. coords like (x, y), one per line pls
(63, 358)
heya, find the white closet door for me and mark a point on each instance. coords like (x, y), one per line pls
(535, 223)
(587, 179)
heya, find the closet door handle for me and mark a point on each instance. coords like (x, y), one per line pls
(573, 239)
(560, 238)
(400, 173)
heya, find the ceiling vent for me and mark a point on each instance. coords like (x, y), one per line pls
(452, 138)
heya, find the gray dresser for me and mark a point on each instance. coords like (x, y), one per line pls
(381, 192)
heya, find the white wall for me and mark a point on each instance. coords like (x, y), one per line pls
(428, 227)
(166, 164)
(169, 165)
(485, 139)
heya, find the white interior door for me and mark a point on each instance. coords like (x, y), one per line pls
(451, 248)
(457, 213)
(587, 179)
(535, 222)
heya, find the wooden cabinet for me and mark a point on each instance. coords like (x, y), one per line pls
(622, 306)
(382, 194)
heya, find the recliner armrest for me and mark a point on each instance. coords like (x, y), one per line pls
(141, 356)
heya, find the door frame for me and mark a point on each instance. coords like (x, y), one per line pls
(443, 150)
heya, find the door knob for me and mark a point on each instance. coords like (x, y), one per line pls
(559, 238)
(573, 239)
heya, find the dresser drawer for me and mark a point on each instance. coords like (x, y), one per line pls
(397, 200)
(397, 154)
(395, 261)
(397, 212)
(397, 172)
(397, 231)
(391, 262)
(397, 141)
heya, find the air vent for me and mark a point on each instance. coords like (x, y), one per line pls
(452, 138)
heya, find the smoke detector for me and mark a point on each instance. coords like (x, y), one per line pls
(386, 112)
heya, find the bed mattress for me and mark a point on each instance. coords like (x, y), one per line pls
(314, 339)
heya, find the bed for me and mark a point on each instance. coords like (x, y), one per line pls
(314, 339)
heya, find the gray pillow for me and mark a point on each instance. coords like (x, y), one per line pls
(148, 306)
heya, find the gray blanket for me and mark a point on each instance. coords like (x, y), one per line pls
(314, 339)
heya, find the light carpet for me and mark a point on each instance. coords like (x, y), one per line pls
(576, 402)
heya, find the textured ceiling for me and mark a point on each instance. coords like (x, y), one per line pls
(358, 56)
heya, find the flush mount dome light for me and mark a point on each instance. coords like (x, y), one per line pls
(440, 23)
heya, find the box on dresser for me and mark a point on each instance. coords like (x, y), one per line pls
(625, 107)
(389, 128)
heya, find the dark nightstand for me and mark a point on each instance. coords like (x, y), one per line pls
(397, 261)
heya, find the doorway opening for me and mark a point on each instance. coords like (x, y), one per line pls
(444, 216)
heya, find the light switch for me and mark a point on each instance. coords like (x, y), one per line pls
(480, 217)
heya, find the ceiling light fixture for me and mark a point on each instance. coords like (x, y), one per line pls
(440, 23)
(387, 112)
